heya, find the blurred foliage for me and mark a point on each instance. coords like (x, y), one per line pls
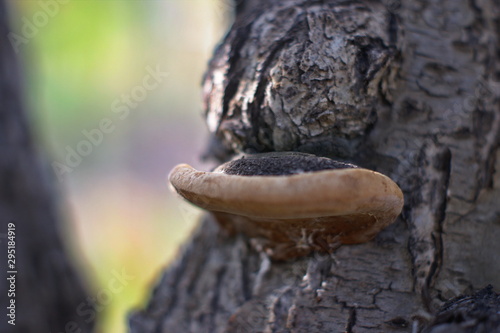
(119, 213)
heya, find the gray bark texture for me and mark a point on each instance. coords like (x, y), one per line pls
(407, 88)
(47, 288)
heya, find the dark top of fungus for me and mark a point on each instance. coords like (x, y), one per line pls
(282, 163)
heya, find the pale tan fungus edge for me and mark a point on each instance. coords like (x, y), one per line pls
(314, 194)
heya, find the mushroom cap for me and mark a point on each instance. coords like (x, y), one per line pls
(342, 206)
(308, 195)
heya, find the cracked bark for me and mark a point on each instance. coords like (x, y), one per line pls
(48, 290)
(414, 93)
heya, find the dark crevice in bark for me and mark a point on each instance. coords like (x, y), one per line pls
(443, 164)
(393, 29)
(433, 270)
(351, 321)
(234, 70)
(398, 322)
(256, 105)
(426, 249)
(487, 171)
(245, 278)
(369, 59)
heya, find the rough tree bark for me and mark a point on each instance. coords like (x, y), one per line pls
(47, 288)
(422, 78)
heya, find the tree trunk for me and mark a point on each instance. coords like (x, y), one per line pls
(42, 280)
(418, 84)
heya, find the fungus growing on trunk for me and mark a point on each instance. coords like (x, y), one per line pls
(292, 203)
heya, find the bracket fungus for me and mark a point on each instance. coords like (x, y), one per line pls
(290, 204)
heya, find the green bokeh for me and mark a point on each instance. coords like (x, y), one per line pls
(86, 56)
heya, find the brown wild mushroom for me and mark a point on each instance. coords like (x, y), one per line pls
(293, 203)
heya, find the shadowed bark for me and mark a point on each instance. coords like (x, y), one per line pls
(410, 89)
(47, 289)
(467, 314)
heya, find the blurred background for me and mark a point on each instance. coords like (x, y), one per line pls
(113, 93)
